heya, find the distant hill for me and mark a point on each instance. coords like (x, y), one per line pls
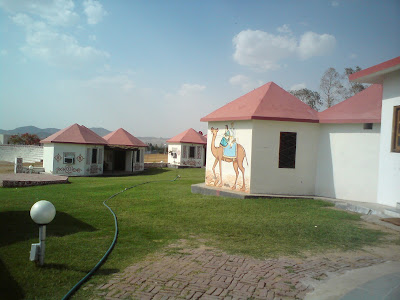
(44, 133)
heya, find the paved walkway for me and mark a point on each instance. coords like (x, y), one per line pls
(23, 179)
(205, 273)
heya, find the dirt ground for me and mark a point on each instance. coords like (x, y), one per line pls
(151, 158)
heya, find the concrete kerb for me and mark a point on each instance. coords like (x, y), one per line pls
(338, 286)
(365, 208)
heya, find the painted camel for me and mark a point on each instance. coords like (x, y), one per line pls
(218, 153)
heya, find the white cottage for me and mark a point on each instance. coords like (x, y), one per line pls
(387, 74)
(187, 149)
(73, 151)
(269, 142)
(123, 152)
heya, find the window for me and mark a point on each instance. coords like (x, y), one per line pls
(287, 150)
(94, 156)
(138, 156)
(69, 157)
(396, 129)
(368, 125)
(191, 151)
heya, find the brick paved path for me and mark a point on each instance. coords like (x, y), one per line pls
(203, 273)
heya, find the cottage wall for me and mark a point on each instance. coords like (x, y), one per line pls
(48, 157)
(243, 134)
(266, 176)
(389, 162)
(182, 155)
(82, 165)
(174, 154)
(138, 166)
(348, 162)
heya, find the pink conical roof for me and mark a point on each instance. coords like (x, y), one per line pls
(364, 107)
(189, 136)
(121, 137)
(268, 102)
(75, 134)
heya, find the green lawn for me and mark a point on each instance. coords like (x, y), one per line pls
(151, 216)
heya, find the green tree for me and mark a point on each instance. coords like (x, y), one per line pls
(24, 139)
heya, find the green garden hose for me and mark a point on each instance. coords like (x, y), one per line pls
(102, 260)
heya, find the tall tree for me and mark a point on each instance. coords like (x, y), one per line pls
(351, 88)
(331, 87)
(309, 97)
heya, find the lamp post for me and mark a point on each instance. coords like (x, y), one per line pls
(42, 213)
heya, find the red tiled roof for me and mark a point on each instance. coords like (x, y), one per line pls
(268, 102)
(189, 136)
(364, 107)
(375, 74)
(121, 137)
(75, 134)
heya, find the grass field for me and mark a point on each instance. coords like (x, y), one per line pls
(151, 216)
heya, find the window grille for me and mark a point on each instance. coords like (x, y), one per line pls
(396, 129)
(191, 152)
(94, 156)
(287, 150)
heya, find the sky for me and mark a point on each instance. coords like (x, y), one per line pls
(155, 68)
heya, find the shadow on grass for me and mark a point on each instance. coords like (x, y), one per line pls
(17, 226)
(63, 267)
(9, 288)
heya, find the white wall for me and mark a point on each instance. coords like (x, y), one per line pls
(243, 134)
(29, 153)
(174, 148)
(48, 154)
(389, 162)
(347, 165)
(82, 165)
(182, 155)
(138, 166)
(266, 176)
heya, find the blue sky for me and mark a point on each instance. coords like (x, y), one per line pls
(156, 67)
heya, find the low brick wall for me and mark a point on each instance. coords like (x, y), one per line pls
(29, 153)
(155, 165)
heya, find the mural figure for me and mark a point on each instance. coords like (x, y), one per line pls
(228, 151)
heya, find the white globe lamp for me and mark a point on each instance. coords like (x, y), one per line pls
(42, 213)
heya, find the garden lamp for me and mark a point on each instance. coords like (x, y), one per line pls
(42, 213)
(30, 169)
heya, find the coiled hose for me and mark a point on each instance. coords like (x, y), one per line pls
(102, 260)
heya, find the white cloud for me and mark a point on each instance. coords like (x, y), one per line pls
(3, 52)
(57, 12)
(264, 51)
(298, 86)
(92, 37)
(94, 11)
(314, 44)
(190, 89)
(46, 43)
(285, 28)
(335, 3)
(245, 83)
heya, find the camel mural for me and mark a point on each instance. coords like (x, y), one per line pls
(237, 160)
